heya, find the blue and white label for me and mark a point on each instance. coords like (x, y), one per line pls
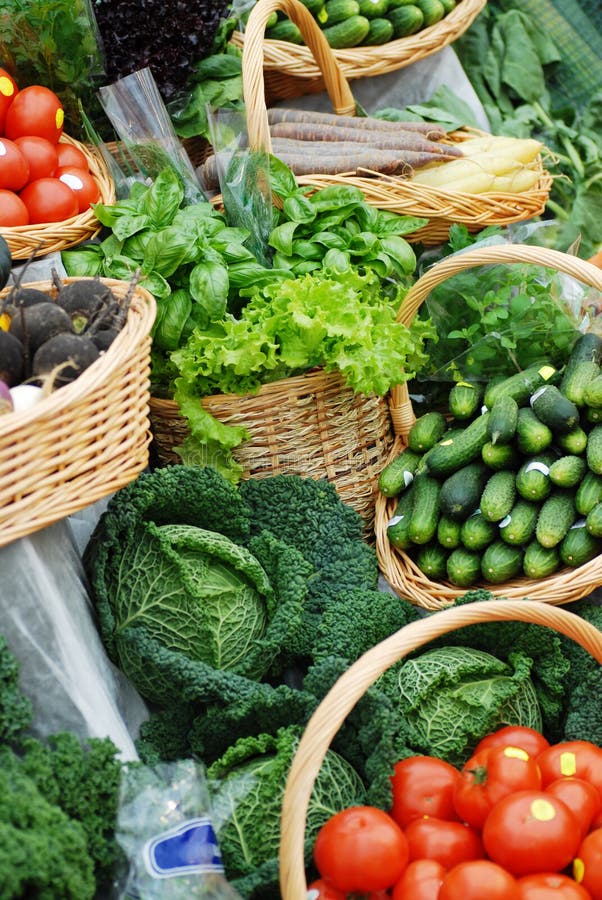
(188, 849)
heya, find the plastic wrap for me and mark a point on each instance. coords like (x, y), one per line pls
(164, 827)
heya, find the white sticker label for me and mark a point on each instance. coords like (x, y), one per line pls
(580, 523)
(536, 466)
(394, 521)
(484, 410)
(505, 521)
(537, 394)
(408, 478)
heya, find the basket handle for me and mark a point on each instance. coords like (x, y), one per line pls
(340, 700)
(252, 67)
(399, 401)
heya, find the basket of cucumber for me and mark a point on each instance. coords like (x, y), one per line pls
(330, 715)
(368, 37)
(414, 169)
(503, 490)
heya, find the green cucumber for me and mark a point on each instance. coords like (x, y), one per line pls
(340, 10)
(519, 525)
(432, 10)
(588, 493)
(593, 522)
(285, 30)
(449, 5)
(314, 6)
(579, 546)
(463, 567)
(498, 496)
(533, 477)
(593, 416)
(539, 562)
(380, 32)
(593, 450)
(349, 33)
(399, 524)
(460, 492)
(587, 348)
(432, 560)
(426, 431)
(577, 379)
(556, 516)
(465, 448)
(503, 420)
(399, 473)
(554, 409)
(532, 435)
(448, 532)
(464, 399)
(500, 456)
(592, 392)
(574, 441)
(519, 386)
(568, 471)
(425, 511)
(501, 562)
(373, 9)
(477, 533)
(405, 20)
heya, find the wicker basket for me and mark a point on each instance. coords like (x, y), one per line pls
(86, 439)
(397, 567)
(312, 425)
(38, 240)
(290, 70)
(341, 699)
(441, 208)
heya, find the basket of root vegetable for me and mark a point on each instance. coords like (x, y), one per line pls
(368, 37)
(74, 392)
(409, 168)
(505, 490)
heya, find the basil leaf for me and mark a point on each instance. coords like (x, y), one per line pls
(400, 251)
(163, 198)
(363, 243)
(307, 249)
(172, 314)
(281, 238)
(127, 225)
(166, 250)
(335, 196)
(299, 209)
(337, 260)
(156, 285)
(209, 285)
(282, 180)
(329, 239)
(84, 262)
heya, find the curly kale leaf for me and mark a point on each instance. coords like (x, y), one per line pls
(16, 712)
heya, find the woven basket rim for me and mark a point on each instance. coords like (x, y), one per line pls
(340, 700)
(85, 223)
(565, 585)
(358, 62)
(139, 321)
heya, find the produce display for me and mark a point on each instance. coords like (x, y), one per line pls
(508, 485)
(521, 820)
(41, 178)
(352, 23)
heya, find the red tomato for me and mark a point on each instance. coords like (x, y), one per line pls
(14, 168)
(320, 890)
(490, 775)
(361, 849)
(531, 831)
(449, 843)
(40, 154)
(550, 886)
(13, 211)
(580, 758)
(581, 797)
(477, 879)
(421, 881)
(423, 786)
(71, 156)
(49, 200)
(35, 110)
(81, 183)
(515, 736)
(8, 89)
(587, 867)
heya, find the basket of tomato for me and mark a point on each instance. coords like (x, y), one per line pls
(48, 180)
(519, 819)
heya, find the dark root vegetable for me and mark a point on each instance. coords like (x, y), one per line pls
(12, 359)
(104, 338)
(85, 301)
(34, 325)
(64, 356)
(20, 296)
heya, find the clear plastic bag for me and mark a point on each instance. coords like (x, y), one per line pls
(165, 830)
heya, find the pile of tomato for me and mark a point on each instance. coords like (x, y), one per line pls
(41, 179)
(522, 820)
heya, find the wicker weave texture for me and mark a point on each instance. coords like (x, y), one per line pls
(311, 425)
(397, 567)
(38, 240)
(441, 207)
(341, 699)
(292, 70)
(86, 439)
